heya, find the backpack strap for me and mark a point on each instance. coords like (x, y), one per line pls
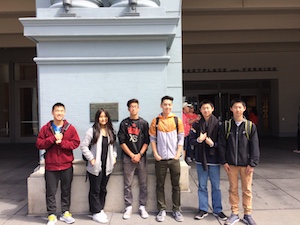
(227, 126)
(176, 122)
(65, 127)
(156, 124)
(248, 128)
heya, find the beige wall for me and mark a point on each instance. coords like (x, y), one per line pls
(11, 30)
(252, 34)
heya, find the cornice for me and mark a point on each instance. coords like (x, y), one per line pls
(101, 60)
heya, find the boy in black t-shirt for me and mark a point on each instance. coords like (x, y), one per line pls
(134, 140)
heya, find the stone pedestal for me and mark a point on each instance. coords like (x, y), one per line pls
(115, 197)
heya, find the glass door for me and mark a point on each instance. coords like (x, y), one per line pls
(26, 103)
(4, 103)
(26, 113)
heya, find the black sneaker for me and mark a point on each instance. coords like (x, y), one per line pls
(200, 215)
(248, 220)
(220, 216)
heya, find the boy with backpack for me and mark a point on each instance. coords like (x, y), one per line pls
(166, 138)
(239, 153)
(59, 139)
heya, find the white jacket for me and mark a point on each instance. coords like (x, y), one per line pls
(95, 153)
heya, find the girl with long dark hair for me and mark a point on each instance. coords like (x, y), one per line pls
(99, 149)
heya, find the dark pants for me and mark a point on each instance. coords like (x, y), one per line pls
(129, 169)
(52, 178)
(98, 191)
(161, 168)
(188, 147)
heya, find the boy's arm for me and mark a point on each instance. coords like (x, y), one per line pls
(153, 139)
(222, 145)
(180, 137)
(254, 147)
(43, 141)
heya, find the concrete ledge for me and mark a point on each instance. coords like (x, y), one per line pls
(114, 199)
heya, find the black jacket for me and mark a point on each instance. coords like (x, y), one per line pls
(237, 150)
(203, 153)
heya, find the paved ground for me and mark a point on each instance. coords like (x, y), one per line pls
(276, 191)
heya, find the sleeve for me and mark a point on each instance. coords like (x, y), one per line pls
(122, 133)
(44, 141)
(146, 133)
(222, 144)
(84, 147)
(216, 135)
(194, 135)
(180, 134)
(152, 131)
(254, 147)
(70, 139)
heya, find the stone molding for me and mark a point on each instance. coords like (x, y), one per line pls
(120, 28)
(101, 60)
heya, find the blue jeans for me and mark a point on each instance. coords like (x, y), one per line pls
(213, 173)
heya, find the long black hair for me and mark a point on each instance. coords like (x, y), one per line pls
(109, 127)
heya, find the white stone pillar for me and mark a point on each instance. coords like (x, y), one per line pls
(99, 56)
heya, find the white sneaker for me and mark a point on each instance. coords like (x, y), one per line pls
(189, 160)
(103, 213)
(161, 216)
(100, 218)
(128, 212)
(52, 219)
(67, 217)
(143, 212)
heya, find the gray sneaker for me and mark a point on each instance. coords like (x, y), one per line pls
(67, 217)
(177, 216)
(248, 220)
(161, 216)
(232, 219)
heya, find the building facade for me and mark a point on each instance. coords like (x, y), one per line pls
(248, 49)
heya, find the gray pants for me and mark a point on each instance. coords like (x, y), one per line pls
(129, 170)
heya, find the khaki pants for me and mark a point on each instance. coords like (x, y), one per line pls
(246, 180)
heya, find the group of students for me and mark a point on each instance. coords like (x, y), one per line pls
(213, 146)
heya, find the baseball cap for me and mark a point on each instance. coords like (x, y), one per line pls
(185, 104)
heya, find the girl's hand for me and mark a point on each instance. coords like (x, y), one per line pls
(93, 161)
